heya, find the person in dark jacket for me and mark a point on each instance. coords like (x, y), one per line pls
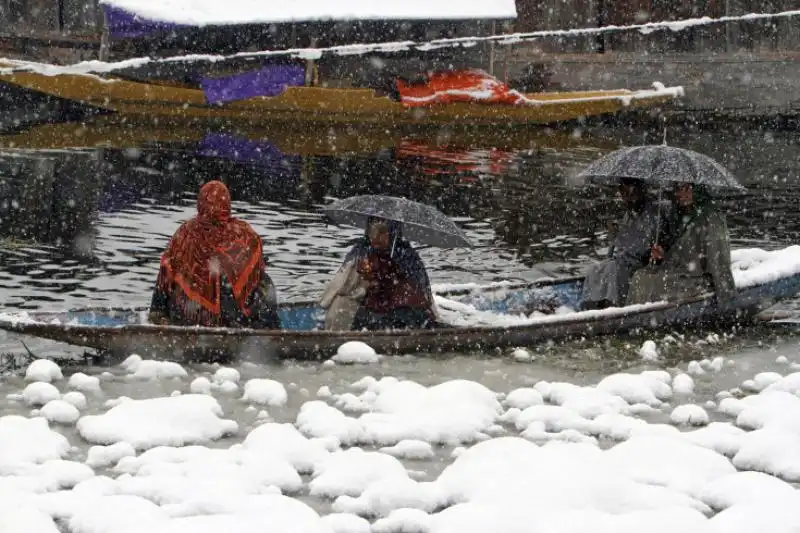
(606, 283)
(693, 255)
(398, 291)
(213, 271)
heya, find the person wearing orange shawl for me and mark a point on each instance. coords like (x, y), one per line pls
(213, 271)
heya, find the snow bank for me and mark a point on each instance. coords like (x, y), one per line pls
(649, 351)
(637, 388)
(200, 385)
(115, 513)
(773, 451)
(205, 12)
(449, 413)
(196, 477)
(771, 409)
(410, 449)
(356, 352)
(178, 420)
(517, 474)
(103, 456)
(226, 374)
(152, 369)
(689, 415)
(81, 382)
(346, 523)
(256, 514)
(60, 412)
(21, 515)
(43, 370)
(284, 441)
(75, 398)
(762, 380)
(683, 384)
(523, 398)
(49, 476)
(265, 392)
(775, 517)
(721, 437)
(587, 402)
(318, 419)
(29, 440)
(668, 462)
(390, 494)
(522, 355)
(39, 393)
(351, 471)
(745, 487)
(789, 383)
(753, 266)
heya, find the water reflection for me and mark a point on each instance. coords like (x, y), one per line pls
(87, 208)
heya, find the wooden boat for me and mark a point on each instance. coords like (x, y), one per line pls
(111, 131)
(124, 331)
(319, 105)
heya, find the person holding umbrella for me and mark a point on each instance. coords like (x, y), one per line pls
(693, 255)
(398, 292)
(606, 283)
(382, 283)
(690, 253)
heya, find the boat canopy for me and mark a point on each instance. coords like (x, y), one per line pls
(142, 16)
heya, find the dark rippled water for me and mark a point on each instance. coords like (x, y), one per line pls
(85, 227)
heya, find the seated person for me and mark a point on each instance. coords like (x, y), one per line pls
(384, 281)
(693, 257)
(606, 283)
(213, 272)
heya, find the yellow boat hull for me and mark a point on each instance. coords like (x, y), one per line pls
(322, 105)
(296, 138)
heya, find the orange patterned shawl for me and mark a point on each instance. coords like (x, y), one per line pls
(205, 248)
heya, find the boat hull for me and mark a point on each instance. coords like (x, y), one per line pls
(322, 105)
(121, 332)
(112, 131)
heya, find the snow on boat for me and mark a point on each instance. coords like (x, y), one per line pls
(312, 62)
(329, 105)
(474, 317)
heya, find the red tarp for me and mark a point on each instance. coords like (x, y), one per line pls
(471, 86)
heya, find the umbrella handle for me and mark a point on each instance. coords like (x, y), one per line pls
(658, 221)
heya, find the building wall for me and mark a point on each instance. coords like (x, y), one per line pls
(777, 34)
(80, 18)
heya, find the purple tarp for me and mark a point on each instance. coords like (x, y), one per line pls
(262, 153)
(124, 25)
(271, 80)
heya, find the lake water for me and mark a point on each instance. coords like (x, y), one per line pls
(85, 227)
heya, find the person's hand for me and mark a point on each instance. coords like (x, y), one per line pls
(656, 253)
(364, 267)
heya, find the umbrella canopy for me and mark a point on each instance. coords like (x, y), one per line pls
(661, 164)
(421, 223)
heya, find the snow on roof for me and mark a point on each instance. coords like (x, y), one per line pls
(216, 12)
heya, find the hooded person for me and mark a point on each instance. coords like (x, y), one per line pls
(382, 284)
(606, 283)
(213, 271)
(693, 255)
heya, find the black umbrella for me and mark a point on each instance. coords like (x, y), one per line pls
(421, 223)
(664, 165)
